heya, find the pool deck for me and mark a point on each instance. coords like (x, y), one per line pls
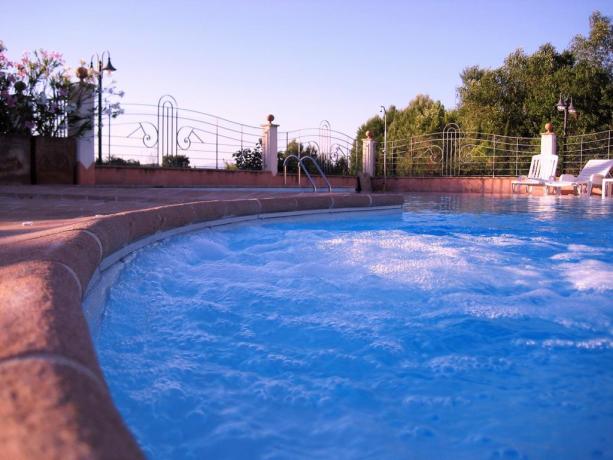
(54, 402)
(32, 209)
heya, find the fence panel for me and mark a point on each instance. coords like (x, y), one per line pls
(454, 152)
(145, 134)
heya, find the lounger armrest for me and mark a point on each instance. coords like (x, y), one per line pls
(567, 178)
(596, 179)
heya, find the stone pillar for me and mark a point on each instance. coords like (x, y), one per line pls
(368, 154)
(548, 141)
(269, 146)
(83, 95)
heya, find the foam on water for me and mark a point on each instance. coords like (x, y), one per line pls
(465, 327)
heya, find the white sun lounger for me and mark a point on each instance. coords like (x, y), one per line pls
(542, 169)
(592, 174)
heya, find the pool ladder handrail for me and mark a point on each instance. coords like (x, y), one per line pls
(301, 165)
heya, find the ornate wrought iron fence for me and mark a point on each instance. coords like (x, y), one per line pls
(147, 133)
(332, 149)
(454, 152)
(577, 150)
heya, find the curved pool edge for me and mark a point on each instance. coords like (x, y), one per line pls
(54, 401)
(110, 268)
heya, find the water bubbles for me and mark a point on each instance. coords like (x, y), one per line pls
(470, 328)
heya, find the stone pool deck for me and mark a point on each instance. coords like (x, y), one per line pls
(54, 402)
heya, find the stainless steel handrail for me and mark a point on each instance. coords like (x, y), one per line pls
(301, 165)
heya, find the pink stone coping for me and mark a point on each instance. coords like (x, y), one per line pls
(54, 401)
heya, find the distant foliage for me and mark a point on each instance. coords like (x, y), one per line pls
(421, 116)
(116, 161)
(248, 158)
(331, 163)
(293, 148)
(518, 98)
(175, 161)
(376, 126)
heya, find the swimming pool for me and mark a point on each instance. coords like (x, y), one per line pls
(463, 327)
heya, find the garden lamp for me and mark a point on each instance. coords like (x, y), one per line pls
(109, 68)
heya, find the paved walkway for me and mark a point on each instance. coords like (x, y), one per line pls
(27, 210)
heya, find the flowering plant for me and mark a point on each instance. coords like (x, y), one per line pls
(37, 96)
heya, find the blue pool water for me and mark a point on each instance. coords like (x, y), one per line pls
(464, 327)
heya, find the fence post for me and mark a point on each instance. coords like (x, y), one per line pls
(368, 154)
(82, 94)
(269, 146)
(494, 159)
(517, 156)
(217, 144)
(411, 157)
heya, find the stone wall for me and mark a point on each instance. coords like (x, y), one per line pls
(495, 185)
(15, 160)
(37, 160)
(176, 177)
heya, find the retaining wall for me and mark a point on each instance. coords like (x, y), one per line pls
(494, 185)
(177, 177)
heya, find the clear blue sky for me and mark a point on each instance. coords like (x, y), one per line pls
(304, 61)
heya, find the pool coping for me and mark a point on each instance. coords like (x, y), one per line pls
(54, 401)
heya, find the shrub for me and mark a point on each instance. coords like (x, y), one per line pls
(116, 161)
(175, 161)
(249, 158)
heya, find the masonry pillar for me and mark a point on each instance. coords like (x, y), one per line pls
(368, 154)
(269, 146)
(548, 141)
(82, 95)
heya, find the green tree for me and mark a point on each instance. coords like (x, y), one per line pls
(515, 99)
(597, 48)
(518, 98)
(421, 116)
(295, 148)
(376, 126)
(248, 158)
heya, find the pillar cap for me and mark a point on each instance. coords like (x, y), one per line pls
(548, 128)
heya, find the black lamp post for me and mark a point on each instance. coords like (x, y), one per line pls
(565, 104)
(384, 146)
(109, 68)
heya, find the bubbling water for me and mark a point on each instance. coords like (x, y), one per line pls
(464, 327)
